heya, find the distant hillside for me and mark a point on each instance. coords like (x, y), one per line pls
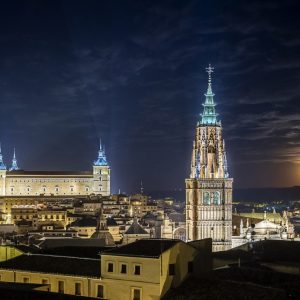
(244, 195)
(267, 194)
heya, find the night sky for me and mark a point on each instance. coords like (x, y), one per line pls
(133, 73)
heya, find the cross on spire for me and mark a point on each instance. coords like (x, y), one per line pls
(209, 70)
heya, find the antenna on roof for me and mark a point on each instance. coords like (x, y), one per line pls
(142, 188)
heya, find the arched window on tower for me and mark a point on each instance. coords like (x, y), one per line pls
(211, 149)
(206, 198)
(217, 198)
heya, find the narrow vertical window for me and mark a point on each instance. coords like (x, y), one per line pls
(136, 294)
(217, 198)
(110, 267)
(206, 198)
(100, 291)
(61, 287)
(77, 288)
(123, 269)
(137, 270)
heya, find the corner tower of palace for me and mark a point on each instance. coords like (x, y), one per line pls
(209, 188)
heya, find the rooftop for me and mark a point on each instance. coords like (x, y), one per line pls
(70, 242)
(87, 252)
(49, 173)
(152, 248)
(85, 222)
(135, 228)
(12, 291)
(177, 217)
(54, 264)
(238, 283)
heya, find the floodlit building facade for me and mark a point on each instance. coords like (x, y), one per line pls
(209, 188)
(17, 182)
(143, 270)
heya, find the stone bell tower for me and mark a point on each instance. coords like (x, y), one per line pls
(101, 174)
(209, 188)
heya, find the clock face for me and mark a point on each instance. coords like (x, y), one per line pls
(104, 172)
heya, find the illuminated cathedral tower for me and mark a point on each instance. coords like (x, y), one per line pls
(209, 188)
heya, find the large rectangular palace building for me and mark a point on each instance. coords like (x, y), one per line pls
(17, 182)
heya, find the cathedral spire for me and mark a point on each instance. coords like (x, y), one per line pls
(209, 115)
(101, 161)
(209, 71)
(2, 165)
(14, 165)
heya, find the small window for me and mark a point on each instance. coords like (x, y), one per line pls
(136, 294)
(137, 270)
(61, 287)
(110, 267)
(25, 280)
(100, 291)
(190, 267)
(171, 269)
(77, 288)
(123, 269)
